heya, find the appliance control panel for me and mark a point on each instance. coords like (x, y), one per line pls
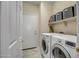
(70, 43)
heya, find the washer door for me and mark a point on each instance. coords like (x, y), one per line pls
(59, 51)
(44, 46)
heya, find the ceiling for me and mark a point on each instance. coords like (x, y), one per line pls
(37, 2)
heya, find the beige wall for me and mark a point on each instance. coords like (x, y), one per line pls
(45, 13)
(29, 8)
(44, 10)
(71, 26)
(60, 5)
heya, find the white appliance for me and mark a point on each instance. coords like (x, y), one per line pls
(45, 45)
(63, 46)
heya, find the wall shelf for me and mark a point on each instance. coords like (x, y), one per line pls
(64, 20)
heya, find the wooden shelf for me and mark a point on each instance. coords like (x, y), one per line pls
(64, 20)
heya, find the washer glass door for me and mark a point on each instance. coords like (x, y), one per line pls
(44, 46)
(59, 51)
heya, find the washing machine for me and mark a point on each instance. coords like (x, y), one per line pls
(45, 45)
(63, 46)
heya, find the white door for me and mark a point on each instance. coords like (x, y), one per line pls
(15, 51)
(30, 24)
(15, 41)
(10, 37)
(13, 21)
(77, 13)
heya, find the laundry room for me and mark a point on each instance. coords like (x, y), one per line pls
(39, 29)
(56, 23)
(61, 40)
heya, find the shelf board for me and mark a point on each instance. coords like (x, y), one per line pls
(64, 20)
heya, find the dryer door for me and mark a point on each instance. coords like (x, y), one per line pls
(58, 51)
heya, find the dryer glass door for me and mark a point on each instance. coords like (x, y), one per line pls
(59, 51)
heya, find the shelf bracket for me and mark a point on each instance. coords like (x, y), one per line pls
(65, 23)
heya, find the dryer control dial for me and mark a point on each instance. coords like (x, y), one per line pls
(59, 41)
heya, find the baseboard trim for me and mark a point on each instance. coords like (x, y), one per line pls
(29, 48)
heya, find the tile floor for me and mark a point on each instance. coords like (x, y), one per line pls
(32, 53)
